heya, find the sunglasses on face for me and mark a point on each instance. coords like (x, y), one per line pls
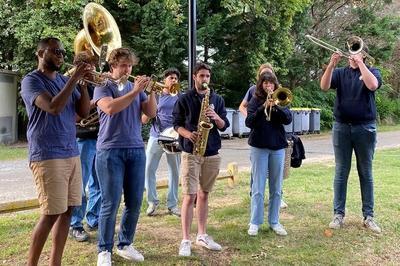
(57, 51)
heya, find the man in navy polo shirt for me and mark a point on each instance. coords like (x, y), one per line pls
(354, 129)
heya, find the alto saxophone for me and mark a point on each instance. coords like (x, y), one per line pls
(204, 126)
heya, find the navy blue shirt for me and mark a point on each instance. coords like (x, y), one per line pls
(49, 136)
(186, 114)
(267, 134)
(249, 93)
(354, 103)
(122, 129)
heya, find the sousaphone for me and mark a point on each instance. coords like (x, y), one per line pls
(100, 33)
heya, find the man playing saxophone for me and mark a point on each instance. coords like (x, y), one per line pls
(199, 169)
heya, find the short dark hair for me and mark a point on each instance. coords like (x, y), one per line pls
(119, 53)
(267, 76)
(170, 71)
(199, 66)
(85, 57)
(44, 43)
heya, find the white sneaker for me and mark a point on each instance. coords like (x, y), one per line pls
(279, 230)
(207, 242)
(130, 253)
(371, 225)
(185, 248)
(104, 258)
(253, 230)
(283, 204)
(337, 222)
(174, 211)
(151, 209)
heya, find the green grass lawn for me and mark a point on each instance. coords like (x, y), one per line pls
(13, 152)
(308, 192)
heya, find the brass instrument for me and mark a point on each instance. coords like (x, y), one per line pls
(100, 30)
(354, 44)
(96, 80)
(204, 126)
(153, 85)
(281, 96)
(101, 35)
(91, 120)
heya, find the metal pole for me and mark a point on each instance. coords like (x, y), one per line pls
(192, 41)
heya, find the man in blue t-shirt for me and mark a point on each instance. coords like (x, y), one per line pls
(51, 101)
(354, 129)
(120, 156)
(154, 150)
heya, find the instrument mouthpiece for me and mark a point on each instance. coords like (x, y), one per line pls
(204, 85)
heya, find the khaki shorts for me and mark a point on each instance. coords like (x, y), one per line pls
(58, 184)
(199, 171)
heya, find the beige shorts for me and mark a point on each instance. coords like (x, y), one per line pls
(197, 171)
(58, 184)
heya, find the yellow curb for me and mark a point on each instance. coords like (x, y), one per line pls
(231, 174)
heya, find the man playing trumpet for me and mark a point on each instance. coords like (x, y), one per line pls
(51, 101)
(120, 156)
(154, 150)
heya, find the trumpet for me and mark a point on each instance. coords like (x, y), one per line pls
(354, 44)
(152, 85)
(96, 80)
(281, 96)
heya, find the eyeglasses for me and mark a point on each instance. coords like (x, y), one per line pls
(57, 51)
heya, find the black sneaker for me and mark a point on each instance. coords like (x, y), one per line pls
(79, 234)
(91, 228)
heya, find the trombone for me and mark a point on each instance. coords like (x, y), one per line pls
(281, 96)
(354, 44)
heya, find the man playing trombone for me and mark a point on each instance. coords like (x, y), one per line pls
(354, 129)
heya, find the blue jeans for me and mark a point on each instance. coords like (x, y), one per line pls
(91, 206)
(266, 164)
(119, 170)
(361, 139)
(153, 154)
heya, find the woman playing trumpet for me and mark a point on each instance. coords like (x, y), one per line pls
(268, 142)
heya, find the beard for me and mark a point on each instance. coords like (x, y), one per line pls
(50, 65)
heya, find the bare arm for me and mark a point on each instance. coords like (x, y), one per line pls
(370, 81)
(55, 105)
(326, 78)
(145, 119)
(192, 136)
(243, 107)
(82, 106)
(149, 107)
(110, 105)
